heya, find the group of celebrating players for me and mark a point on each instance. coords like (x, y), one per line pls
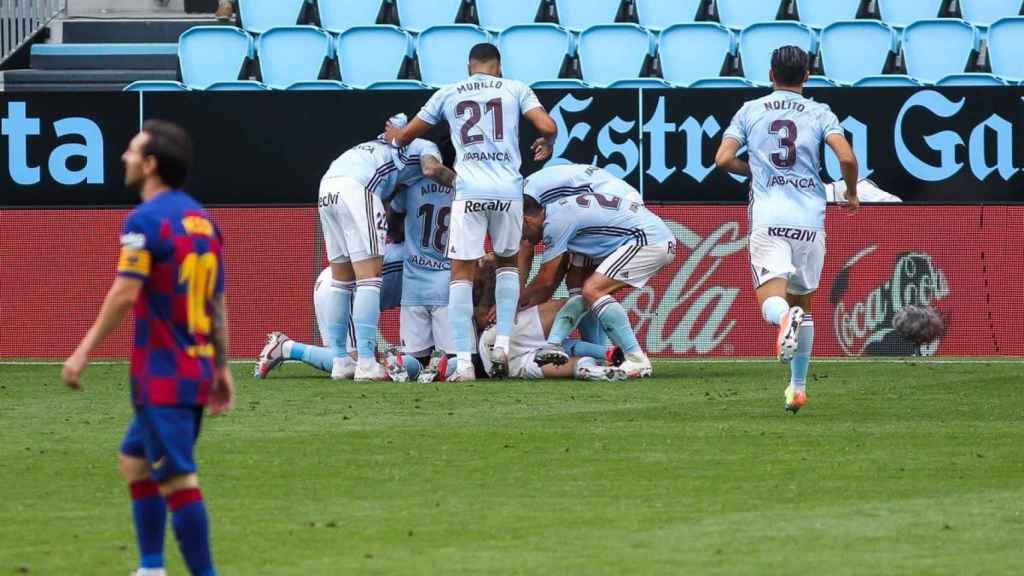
(597, 235)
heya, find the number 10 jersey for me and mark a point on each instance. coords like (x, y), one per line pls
(483, 112)
(783, 132)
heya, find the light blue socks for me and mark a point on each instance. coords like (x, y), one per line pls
(506, 299)
(616, 323)
(315, 356)
(460, 315)
(338, 315)
(801, 361)
(365, 316)
(566, 319)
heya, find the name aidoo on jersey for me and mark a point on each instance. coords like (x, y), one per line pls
(429, 263)
(807, 183)
(434, 188)
(487, 156)
(488, 206)
(475, 86)
(793, 233)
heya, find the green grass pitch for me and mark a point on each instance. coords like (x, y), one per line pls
(891, 469)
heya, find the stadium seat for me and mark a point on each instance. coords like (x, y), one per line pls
(758, 41)
(901, 13)
(155, 86)
(293, 54)
(611, 52)
(985, 12)
(340, 15)
(660, 14)
(854, 49)
(237, 86)
(534, 52)
(743, 13)
(368, 54)
(725, 82)
(258, 16)
(820, 13)
(210, 54)
(418, 15)
(578, 15)
(1006, 47)
(640, 83)
(497, 15)
(681, 64)
(398, 85)
(821, 82)
(319, 85)
(972, 79)
(888, 80)
(443, 52)
(939, 47)
(560, 84)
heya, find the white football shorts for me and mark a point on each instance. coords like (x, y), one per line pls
(527, 338)
(473, 220)
(353, 220)
(796, 254)
(635, 264)
(424, 328)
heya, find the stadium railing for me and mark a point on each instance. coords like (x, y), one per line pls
(20, 20)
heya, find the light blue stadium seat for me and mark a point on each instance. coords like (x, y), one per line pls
(258, 16)
(725, 82)
(657, 83)
(888, 80)
(681, 64)
(319, 85)
(985, 12)
(293, 54)
(939, 47)
(1006, 47)
(560, 84)
(443, 52)
(418, 15)
(534, 52)
(821, 13)
(578, 15)
(758, 41)
(902, 13)
(972, 79)
(368, 54)
(743, 13)
(340, 15)
(854, 49)
(209, 54)
(660, 14)
(237, 86)
(497, 15)
(398, 85)
(156, 86)
(821, 82)
(610, 52)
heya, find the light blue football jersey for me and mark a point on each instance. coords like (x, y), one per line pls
(427, 206)
(549, 184)
(596, 225)
(783, 132)
(391, 276)
(380, 167)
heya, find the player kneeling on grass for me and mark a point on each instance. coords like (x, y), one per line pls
(632, 245)
(280, 347)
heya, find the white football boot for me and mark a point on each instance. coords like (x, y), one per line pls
(601, 373)
(789, 334)
(344, 368)
(395, 368)
(550, 354)
(463, 373)
(438, 364)
(372, 373)
(637, 365)
(272, 354)
(499, 363)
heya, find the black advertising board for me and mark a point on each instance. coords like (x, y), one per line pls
(949, 145)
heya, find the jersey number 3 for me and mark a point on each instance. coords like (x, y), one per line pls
(475, 115)
(785, 130)
(198, 272)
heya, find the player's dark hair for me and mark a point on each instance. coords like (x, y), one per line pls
(790, 65)
(531, 206)
(485, 52)
(172, 148)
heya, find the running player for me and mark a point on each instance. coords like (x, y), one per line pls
(353, 194)
(483, 113)
(171, 270)
(783, 132)
(631, 244)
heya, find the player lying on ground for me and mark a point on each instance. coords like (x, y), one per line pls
(783, 133)
(171, 270)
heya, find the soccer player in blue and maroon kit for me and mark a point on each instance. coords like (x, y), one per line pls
(171, 270)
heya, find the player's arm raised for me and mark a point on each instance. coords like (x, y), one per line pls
(848, 166)
(543, 286)
(542, 121)
(416, 128)
(433, 168)
(119, 300)
(726, 158)
(222, 395)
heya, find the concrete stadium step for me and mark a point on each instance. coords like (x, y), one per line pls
(151, 56)
(128, 31)
(78, 80)
(91, 7)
